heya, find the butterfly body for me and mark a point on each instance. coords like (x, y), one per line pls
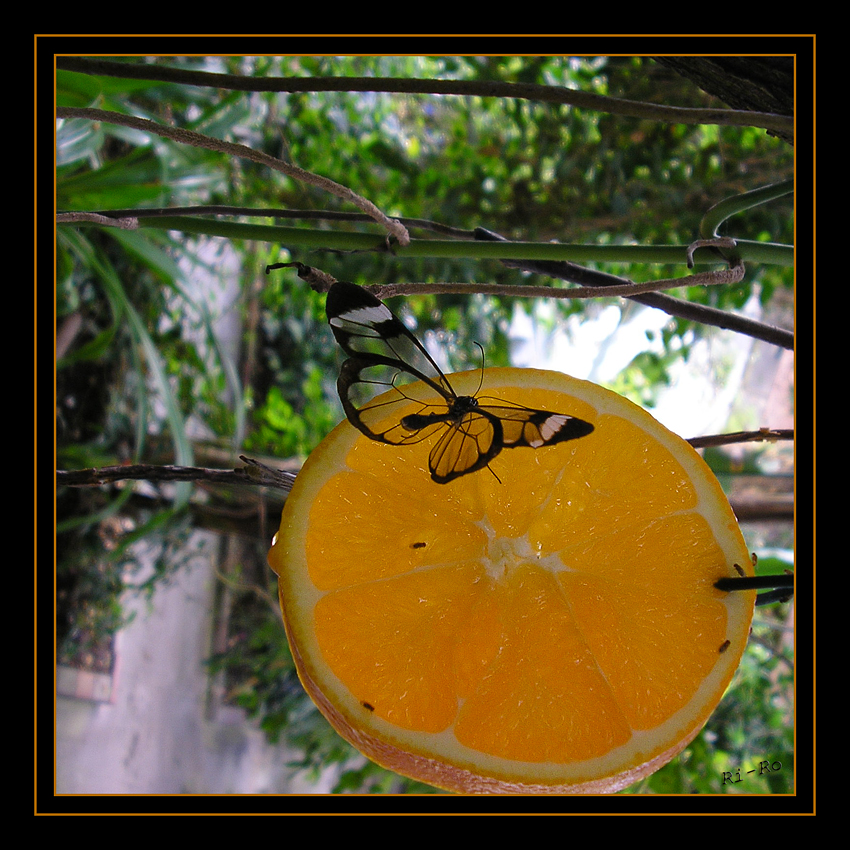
(474, 429)
(461, 406)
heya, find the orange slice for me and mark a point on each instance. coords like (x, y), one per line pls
(552, 630)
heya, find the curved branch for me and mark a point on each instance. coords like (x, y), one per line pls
(721, 211)
(189, 137)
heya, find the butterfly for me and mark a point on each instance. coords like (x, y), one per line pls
(382, 352)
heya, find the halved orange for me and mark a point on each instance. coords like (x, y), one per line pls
(554, 629)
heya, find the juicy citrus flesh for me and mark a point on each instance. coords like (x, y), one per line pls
(554, 629)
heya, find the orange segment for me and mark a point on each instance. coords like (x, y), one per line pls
(554, 629)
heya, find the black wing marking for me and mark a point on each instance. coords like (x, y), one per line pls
(524, 426)
(381, 349)
(478, 432)
(367, 329)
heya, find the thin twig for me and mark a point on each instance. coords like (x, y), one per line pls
(627, 290)
(322, 281)
(189, 137)
(129, 222)
(767, 435)
(776, 588)
(254, 473)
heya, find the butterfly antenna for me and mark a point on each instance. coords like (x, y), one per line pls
(490, 468)
(481, 379)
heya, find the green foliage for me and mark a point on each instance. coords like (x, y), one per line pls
(295, 391)
(280, 429)
(371, 779)
(142, 363)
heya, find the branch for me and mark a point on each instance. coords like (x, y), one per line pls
(189, 137)
(481, 88)
(734, 274)
(129, 222)
(258, 474)
(701, 313)
(762, 435)
(255, 473)
(321, 281)
(627, 290)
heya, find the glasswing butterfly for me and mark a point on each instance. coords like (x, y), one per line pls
(383, 352)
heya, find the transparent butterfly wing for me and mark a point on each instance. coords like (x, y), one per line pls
(374, 400)
(469, 444)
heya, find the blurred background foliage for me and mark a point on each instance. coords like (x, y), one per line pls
(178, 349)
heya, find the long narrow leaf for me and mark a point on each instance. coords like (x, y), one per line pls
(123, 308)
(159, 261)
